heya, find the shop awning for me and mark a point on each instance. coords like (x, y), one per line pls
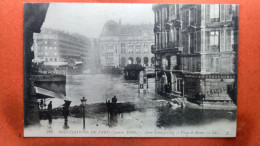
(78, 62)
(49, 94)
(55, 63)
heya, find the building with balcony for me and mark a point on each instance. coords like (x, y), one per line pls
(126, 44)
(54, 47)
(196, 50)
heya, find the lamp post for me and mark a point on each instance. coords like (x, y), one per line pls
(182, 92)
(83, 104)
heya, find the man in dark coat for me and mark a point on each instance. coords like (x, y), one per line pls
(65, 111)
(50, 110)
(114, 100)
(50, 106)
(108, 105)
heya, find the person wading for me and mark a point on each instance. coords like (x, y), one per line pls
(108, 105)
(114, 108)
(50, 110)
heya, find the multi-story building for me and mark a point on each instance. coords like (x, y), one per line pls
(59, 47)
(196, 50)
(93, 61)
(126, 44)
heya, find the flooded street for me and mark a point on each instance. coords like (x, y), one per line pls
(150, 115)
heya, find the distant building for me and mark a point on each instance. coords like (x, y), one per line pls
(126, 44)
(55, 47)
(196, 50)
(93, 55)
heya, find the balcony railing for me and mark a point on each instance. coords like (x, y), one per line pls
(158, 49)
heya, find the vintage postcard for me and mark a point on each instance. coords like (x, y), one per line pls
(130, 70)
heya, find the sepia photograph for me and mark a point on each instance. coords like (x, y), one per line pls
(130, 70)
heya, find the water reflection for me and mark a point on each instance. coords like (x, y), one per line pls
(66, 126)
(168, 117)
(112, 120)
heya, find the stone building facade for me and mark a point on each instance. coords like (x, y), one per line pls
(196, 50)
(53, 46)
(126, 44)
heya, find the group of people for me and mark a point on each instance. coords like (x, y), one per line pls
(111, 106)
(65, 110)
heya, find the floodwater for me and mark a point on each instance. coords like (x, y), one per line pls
(151, 120)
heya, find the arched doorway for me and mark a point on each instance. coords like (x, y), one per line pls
(153, 60)
(146, 61)
(123, 62)
(138, 60)
(130, 60)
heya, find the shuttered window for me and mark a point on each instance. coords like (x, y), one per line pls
(192, 16)
(214, 13)
(207, 47)
(207, 13)
(222, 40)
(229, 40)
(198, 41)
(192, 42)
(228, 12)
(222, 13)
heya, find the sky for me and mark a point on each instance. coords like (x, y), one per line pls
(88, 19)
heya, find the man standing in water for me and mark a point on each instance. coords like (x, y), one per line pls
(108, 105)
(50, 111)
(114, 100)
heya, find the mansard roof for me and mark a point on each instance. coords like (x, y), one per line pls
(111, 28)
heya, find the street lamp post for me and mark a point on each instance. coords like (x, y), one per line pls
(83, 103)
(183, 92)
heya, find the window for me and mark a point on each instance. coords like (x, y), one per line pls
(222, 40)
(214, 41)
(192, 42)
(157, 16)
(138, 50)
(167, 12)
(167, 36)
(158, 39)
(229, 40)
(173, 10)
(222, 13)
(168, 63)
(198, 41)
(192, 17)
(228, 12)
(186, 19)
(214, 64)
(179, 85)
(123, 50)
(214, 13)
